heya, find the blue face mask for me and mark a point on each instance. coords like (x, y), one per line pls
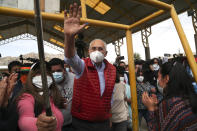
(58, 76)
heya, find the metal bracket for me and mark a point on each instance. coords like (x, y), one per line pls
(145, 33)
(117, 44)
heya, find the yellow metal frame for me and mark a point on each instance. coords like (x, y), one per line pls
(83, 8)
(158, 4)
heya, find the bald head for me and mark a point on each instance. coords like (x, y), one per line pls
(98, 41)
(98, 44)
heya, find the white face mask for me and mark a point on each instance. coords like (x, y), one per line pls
(155, 67)
(67, 69)
(96, 56)
(122, 79)
(160, 89)
(140, 78)
(58, 76)
(37, 81)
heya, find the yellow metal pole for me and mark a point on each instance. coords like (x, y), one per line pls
(83, 8)
(155, 3)
(57, 17)
(158, 13)
(104, 23)
(132, 80)
(185, 43)
(29, 14)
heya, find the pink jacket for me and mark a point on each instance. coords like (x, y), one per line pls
(27, 119)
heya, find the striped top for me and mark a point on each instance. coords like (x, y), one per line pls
(174, 114)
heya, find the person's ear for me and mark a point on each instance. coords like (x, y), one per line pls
(89, 52)
(167, 78)
(105, 53)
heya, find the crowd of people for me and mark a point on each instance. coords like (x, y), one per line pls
(91, 94)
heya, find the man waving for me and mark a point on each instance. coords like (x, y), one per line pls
(95, 78)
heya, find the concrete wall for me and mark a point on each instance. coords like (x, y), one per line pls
(26, 4)
(51, 6)
(9, 3)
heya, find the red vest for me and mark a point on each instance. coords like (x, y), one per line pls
(87, 102)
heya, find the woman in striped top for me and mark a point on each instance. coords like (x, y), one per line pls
(178, 109)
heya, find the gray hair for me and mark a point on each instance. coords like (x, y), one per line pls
(105, 44)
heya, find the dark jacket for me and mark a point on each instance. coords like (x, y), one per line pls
(9, 114)
(9, 118)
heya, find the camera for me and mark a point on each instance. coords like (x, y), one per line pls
(121, 58)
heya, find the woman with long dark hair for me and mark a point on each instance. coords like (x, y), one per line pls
(31, 101)
(178, 109)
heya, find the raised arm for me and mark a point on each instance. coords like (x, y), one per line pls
(71, 28)
(3, 88)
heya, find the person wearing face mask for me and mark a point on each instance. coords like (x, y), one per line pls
(154, 68)
(30, 103)
(64, 81)
(95, 78)
(142, 85)
(178, 109)
(119, 109)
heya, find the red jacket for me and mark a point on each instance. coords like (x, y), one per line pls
(87, 103)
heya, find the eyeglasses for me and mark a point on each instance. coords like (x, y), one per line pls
(97, 48)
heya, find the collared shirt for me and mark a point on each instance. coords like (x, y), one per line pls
(78, 66)
(66, 89)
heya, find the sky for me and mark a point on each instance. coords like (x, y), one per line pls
(164, 39)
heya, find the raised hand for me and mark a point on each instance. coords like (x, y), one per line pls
(3, 88)
(154, 98)
(72, 22)
(12, 80)
(149, 101)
